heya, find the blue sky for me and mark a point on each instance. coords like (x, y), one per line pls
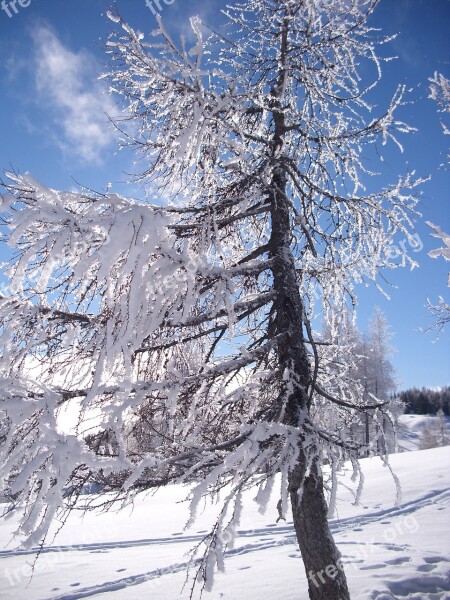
(52, 51)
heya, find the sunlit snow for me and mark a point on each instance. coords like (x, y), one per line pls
(390, 553)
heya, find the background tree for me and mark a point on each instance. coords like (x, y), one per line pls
(380, 371)
(379, 379)
(365, 360)
(257, 141)
(425, 401)
(436, 433)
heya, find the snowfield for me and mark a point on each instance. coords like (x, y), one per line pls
(390, 551)
(411, 428)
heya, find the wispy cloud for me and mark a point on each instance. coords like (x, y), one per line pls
(67, 85)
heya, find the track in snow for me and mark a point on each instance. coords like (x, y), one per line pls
(270, 537)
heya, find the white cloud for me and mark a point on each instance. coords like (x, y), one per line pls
(68, 88)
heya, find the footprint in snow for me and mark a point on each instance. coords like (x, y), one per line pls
(75, 584)
(398, 561)
(356, 561)
(120, 570)
(433, 559)
(394, 548)
(426, 568)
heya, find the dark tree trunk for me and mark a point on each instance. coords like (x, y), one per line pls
(326, 577)
(367, 436)
(309, 508)
(323, 566)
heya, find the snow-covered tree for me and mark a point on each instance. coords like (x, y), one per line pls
(378, 377)
(196, 316)
(436, 433)
(365, 358)
(440, 93)
(440, 311)
(380, 371)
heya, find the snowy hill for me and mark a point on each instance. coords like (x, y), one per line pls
(411, 428)
(391, 552)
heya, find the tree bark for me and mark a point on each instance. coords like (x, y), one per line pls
(326, 577)
(320, 555)
(323, 566)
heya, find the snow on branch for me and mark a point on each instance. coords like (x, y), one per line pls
(179, 336)
(444, 237)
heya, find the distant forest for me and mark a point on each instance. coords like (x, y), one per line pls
(425, 401)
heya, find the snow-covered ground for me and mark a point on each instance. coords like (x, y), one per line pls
(411, 428)
(390, 551)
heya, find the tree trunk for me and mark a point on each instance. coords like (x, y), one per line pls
(319, 553)
(367, 453)
(324, 569)
(326, 577)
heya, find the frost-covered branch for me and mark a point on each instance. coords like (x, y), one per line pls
(179, 334)
(440, 311)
